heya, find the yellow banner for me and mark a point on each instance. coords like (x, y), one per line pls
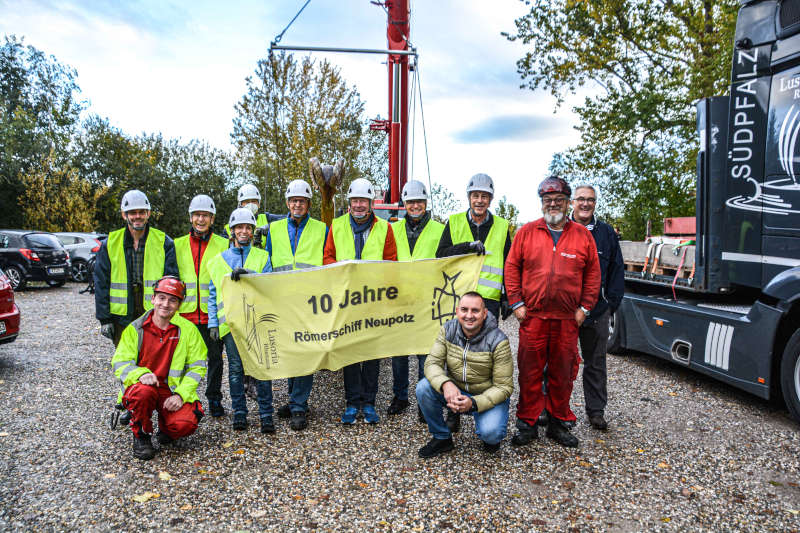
(293, 323)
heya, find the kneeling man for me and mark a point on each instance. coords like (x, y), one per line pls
(160, 360)
(469, 370)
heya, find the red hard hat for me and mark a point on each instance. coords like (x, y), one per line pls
(171, 285)
(554, 184)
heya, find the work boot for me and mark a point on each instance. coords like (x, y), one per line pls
(163, 439)
(491, 448)
(143, 447)
(598, 421)
(239, 422)
(453, 421)
(298, 421)
(527, 433)
(267, 425)
(284, 411)
(436, 447)
(216, 409)
(560, 434)
(397, 406)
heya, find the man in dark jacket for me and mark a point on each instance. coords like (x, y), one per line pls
(593, 333)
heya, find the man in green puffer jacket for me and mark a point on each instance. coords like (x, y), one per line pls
(469, 370)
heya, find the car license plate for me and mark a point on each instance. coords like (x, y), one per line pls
(55, 270)
(2, 327)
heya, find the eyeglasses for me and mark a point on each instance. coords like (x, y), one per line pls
(554, 201)
(582, 200)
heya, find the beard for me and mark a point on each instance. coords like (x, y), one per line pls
(554, 220)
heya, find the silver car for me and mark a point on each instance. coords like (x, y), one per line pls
(81, 248)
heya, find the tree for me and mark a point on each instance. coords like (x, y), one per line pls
(649, 60)
(444, 202)
(292, 111)
(39, 111)
(508, 211)
(57, 199)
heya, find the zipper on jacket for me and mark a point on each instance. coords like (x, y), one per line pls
(464, 367)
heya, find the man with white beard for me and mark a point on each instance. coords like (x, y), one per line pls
(552, 278)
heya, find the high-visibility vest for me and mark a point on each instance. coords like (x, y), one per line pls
(308, 252)
(154, 258)
(343, 239)
(490, 283)
(196, 283)
(256, 260)
(186, 369)
(426, 245)
(261, 220)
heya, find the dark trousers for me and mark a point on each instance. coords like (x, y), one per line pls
(138, 310)
(400, 374)
(214, 375)
(594, 341)
(361, 383)
(493, 306)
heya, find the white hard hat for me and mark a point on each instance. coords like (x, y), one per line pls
(248, 191)
(241, 215)
(202, 202)
(361, 188)
(481, 182)
(134, 199)
(414, 190)
(298, 188)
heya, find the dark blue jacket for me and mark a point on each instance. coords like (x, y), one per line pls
(612, 269)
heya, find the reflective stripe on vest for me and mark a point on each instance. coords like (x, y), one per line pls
(343, 239)
(196, 284)
(154, 258)
(218, 268)
(426, 245)
(309, 249)
(490, 283)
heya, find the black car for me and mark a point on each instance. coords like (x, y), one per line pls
(33, 256)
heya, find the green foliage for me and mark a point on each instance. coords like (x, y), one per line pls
(650, 62)
(508, 211)
(444, 203)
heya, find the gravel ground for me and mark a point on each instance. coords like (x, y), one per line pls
(682, 453)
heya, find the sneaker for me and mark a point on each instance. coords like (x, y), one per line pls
(216, 409)
(143, 447)
(453, 421)
(527, 433)
(421, 416)
(239, 422)
(436, 447)
(298, 421)
(560, 434)
(598, 422)
(163, 439)
(267, 425)
(491, 448)
(349, 416)
(284, 411)
(397, 406)
(370, 416)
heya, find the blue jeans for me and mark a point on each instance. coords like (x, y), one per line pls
(490, 425)
(361, 383)
(400, 374)
(299, 391)
(236, 382)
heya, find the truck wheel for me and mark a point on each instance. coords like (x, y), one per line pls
(790, 375)
(616, 329)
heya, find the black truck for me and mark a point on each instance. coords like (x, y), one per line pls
(725, 299)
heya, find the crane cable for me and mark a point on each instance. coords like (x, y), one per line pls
(280, 35)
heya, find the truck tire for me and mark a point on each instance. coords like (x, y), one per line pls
(790, 375)
(616, 330)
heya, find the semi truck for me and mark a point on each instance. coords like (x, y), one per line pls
(721, 295)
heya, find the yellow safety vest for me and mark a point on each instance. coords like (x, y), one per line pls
(154, 258)
(261, 220)
(490, 283)
(196, 284)
(426, 245)
(308, 252)
(256, 260)
(343, 239)
(186, 369)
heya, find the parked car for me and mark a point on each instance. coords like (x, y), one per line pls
(33, 256)
(9, 311)
(81, 248)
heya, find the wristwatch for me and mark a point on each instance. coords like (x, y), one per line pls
(585, 311)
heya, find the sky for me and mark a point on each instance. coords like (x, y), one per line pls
(179, 68)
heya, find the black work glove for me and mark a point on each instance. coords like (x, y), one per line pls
(236, 274)
(259, 235)
(477, 247)
(213, 334)
(505, 309)
(107, 331)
